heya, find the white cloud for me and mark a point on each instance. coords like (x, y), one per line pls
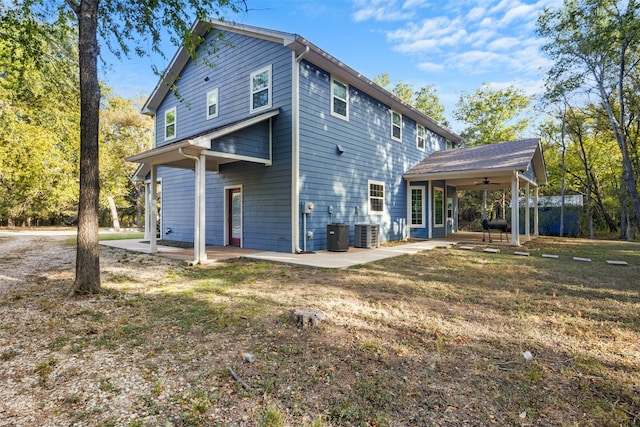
(433, 28)
(431, 66)
(431, 45)
(503, 43)
(476, 13)
(411, 4)
(481, 37)
(477, 61)
(380, 10)
(431, 35)
(520, 12)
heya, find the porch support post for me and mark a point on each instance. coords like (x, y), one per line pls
(153, 207)
(484, 204)
(147, 211)
(196, 215)
(536, 230)
(202, 216)
(527, 214)
(515, 221)
(199, 253)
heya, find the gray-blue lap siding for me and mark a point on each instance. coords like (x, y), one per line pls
(340, 181)
(266, 190)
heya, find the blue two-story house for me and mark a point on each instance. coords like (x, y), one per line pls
(266, 140)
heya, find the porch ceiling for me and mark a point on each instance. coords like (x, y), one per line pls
(480, 180)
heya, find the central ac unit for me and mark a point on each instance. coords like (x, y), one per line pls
(366, 236)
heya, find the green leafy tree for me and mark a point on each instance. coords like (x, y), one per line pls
(490, 116)
(493, 115)
(424, 100)
(122, 26)
(123, 133)
(39, 135)
(427, 101)
(594, 46)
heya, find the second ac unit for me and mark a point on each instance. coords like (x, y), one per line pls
(366, 236)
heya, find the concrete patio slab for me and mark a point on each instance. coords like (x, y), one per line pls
(320, 259)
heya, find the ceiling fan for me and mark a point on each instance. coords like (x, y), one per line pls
(486, 181)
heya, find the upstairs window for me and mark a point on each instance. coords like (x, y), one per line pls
(170, 123)
(396, 126)
(420, 137)
(261, 89)
(376, 197)
(339, 99)
(212, 104)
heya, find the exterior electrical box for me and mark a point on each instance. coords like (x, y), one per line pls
(307, 207)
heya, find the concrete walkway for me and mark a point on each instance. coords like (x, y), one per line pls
(320, 259)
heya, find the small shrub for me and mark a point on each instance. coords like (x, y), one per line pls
(8, 355)
(272, 417)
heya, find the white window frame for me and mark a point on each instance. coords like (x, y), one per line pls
(345, 100)
(393, 126)
(370, 198)
(444, 212)
(212, 94)
(268, 88)
(423, 190)
(175, 123)
(420, 128)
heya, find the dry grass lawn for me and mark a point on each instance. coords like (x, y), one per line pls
(434, 339)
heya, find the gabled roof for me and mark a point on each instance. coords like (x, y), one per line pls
(468, 167)
(312, 53)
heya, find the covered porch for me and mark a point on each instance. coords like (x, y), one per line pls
(206, 151)
(517, 166)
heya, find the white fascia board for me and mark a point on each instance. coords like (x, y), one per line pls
(145, 155)
(459, 175)
(236, 157)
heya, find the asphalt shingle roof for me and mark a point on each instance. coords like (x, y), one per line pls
(507, 155)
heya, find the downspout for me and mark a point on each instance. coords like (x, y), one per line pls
(295, 154)
(196, 225)
(153, 217)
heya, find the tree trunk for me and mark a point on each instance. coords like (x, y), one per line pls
(619, 133)
(595, 189)
(623, 209)
(114, 213)
(564, 173)
(87, 255)
(139, 206)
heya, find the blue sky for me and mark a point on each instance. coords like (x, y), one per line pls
(455, 45)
